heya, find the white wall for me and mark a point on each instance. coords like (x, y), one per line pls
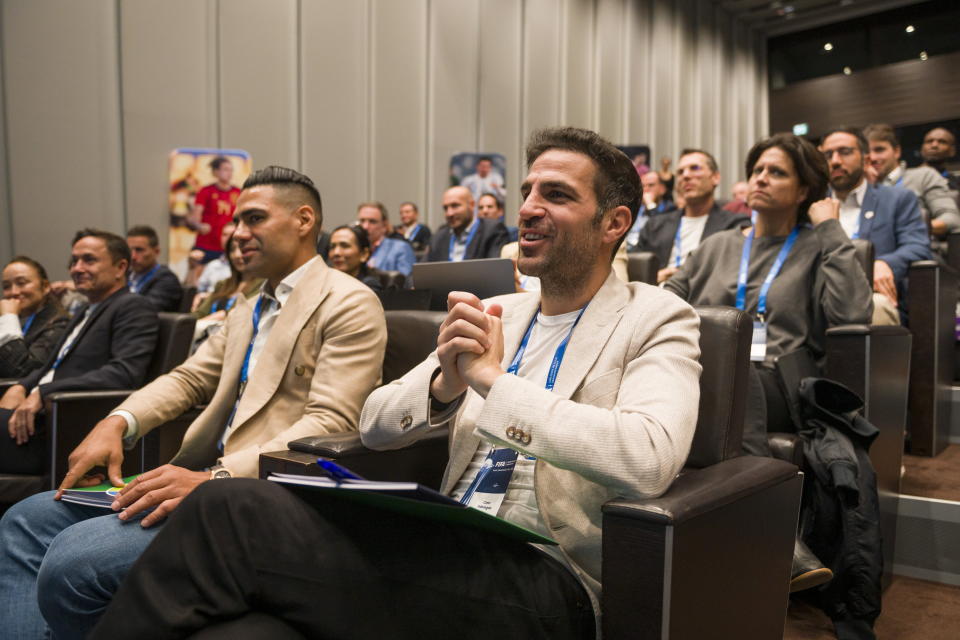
(368, 97)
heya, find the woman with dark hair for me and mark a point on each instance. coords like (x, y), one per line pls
(349, 252)
(31, 319)
(213, 310)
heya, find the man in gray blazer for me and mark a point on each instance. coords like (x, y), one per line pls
(557, 385)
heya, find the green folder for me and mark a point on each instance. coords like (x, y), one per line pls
(101, 495)
(413, 500)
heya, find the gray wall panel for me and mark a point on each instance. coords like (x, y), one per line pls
(609, 61)
(170, 97)
(336, 118)
(399, 91)
(6, 220)
(577, 98)
(259, 80)
(63, 136)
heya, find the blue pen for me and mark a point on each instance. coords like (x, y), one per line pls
(335, 470)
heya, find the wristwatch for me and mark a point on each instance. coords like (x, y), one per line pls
(219, 472)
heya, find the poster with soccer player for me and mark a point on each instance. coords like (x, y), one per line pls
(483, 174)
(204, 185)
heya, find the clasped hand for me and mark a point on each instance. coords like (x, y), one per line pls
(470, 347)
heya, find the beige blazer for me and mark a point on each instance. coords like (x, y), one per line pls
(322, 358)
(619, 421)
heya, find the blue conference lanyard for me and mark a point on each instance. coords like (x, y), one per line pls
(470, 234)
(413, 232)
(232, 300)
(899, 182)
(676, 243)
(66, 350)
(504, 459)
(774, 271)
(140, 284)
(244, 371)
(28, 323)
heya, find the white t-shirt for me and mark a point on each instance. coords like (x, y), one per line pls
(850, 209)
(691, 231)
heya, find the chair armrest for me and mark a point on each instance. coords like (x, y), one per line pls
(786, 447)
(423, 461)
(698, 491)
(708, 559)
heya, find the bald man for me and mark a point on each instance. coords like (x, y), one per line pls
(939, 147)
(465, 236)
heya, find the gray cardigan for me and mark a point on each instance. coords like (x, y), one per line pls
(820, 285)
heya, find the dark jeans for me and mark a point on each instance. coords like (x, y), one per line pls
(27, 458)
(329, 568)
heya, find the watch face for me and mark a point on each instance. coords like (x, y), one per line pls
(219, 475)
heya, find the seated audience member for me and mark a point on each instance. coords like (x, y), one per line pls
(241, 284)
(490, 207)
(147, 277)
(738, 200)
(490, 382)
(887, 217)
(654, 202)
(31, 319)
(672, 236)
(415, 232)
(300, 361)
(884, 166)
(940, 146)
(387, 254)
(349, 252)
(107, 345)
(216, 270)
(796, 272)
(465, 236)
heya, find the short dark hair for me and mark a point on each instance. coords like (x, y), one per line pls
(411, 204)
(492, 195)
(375, 205)
(31, 263)
(484, 159)
(292, 182)
(217, 162)
(881, 132)
(616, 182)
(363, 240)
(810, 165)
(116, 246)
(711, 161)
(144, 231)
(853, 131)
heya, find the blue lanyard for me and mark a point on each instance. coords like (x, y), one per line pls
(66, 349)
(28, 323)
(899, 182)
(139, 284)
(557, 356)
(232, 300)
(774, 271)
(676, 242)
(413, 232)
(257, 310)
(453, 240)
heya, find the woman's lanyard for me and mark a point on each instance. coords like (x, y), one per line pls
(26, 325)
(466, 245)
(232, 300)
(489, 487)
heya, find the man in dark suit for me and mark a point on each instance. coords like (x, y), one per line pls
(147, 276)
(886, 216)
(465, 237)
(107, 345)
(673, 235)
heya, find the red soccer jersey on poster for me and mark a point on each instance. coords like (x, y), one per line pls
(218, 206)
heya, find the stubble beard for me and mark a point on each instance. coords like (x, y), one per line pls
(567, 266)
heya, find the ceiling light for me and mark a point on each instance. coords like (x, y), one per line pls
(828, 47)
(909, 28)
(923, 55)
(847, 71)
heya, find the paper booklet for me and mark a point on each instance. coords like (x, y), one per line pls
(414, 500)
(101, 495)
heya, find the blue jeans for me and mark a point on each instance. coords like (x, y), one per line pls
(60, 564)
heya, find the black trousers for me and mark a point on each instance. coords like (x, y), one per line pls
(28, 458)
(328, 568)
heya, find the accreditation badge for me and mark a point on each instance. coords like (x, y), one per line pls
(758, 345)
(492, 480)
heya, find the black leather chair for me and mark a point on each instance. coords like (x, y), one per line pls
(71, 414)
(709, 558)
(392, 280)
(186, 300)
(642, 267)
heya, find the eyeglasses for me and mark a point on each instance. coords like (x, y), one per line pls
(845, 152)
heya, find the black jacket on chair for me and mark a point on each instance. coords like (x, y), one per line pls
(487, 242)
(112, 351)
(659, 232)
(163, 290)
(21, 356)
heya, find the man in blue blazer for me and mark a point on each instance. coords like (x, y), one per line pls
(886, 216)
(387, 254)
(147, 276)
